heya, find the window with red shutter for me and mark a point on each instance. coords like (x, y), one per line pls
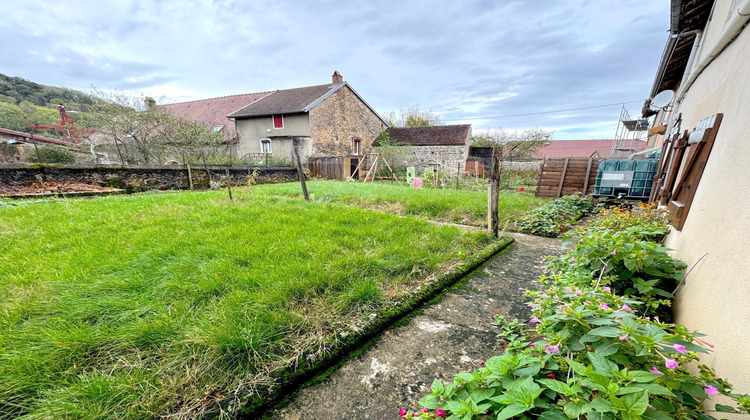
(278, 121)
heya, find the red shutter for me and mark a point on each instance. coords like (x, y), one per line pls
(278, 121)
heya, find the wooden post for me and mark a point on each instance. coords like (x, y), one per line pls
(295, 142)
(229, 183)
(458, 173)
(190, 175)
(562, 178)
(36, 149)
(588, 174)
(493, 193)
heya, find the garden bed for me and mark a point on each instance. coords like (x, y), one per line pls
(178, 304)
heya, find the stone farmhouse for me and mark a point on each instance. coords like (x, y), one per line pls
(330, 120)
(442, 146)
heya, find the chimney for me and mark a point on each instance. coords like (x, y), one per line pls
(336, 79)
(150, 102)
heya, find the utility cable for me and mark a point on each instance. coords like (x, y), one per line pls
(543, 112)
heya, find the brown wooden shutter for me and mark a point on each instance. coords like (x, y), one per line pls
(698, 145)
(669, 152)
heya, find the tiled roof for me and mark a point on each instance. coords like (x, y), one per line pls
(439, 135)
(21, 136)
(287, 101)
(213, 112)
(579, 148)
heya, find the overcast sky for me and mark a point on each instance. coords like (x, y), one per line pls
(465, 60)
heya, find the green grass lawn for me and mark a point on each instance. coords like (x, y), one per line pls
(148, 305)
(457, 206)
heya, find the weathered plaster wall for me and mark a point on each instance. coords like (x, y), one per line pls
(251, 130)
(715, 297)
(338, 119)
(134, 179)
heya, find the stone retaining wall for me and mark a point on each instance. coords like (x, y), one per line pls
(139, 178)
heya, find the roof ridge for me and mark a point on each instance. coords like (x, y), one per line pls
(221, 97)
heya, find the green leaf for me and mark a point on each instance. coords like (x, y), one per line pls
(651, 414)
(600, 405)
(663, 405)
(577, 367)
(642, 376)
(590, 338)
(553, 414)
(610, 332)
(437, 387)
(655, 389)
(693, 389)
(510, 411)
(601, 364)
(725, 408)
(607, 348)
(557, 386)
(631, 389)
(635, 403)
(430, 401)
(573, 409)
(601, 321)
(481, 394)
(528, 371)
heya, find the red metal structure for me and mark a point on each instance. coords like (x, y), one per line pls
(67, 128)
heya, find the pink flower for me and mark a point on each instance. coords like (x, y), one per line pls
(604, 307)
(551, 375)
(606, 288)
(552, 349)
(670, 363)
(679, 348)
(625, 308)
(578, 292)
(623, 338)
(567, 290)
(534, 320)
(614, 253)
(520, 288)
(439, 412)
(424, 410)
(655, 370)
(402, 412)
(711, 390)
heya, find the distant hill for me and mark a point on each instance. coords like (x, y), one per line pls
(25, 103)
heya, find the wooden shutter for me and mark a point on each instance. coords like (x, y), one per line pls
(698, 145)
(669, 152)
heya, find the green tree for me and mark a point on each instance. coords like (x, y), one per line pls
(515, 145)
(412, 117)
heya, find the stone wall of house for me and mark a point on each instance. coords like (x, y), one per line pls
(340, 118)
(139, 178)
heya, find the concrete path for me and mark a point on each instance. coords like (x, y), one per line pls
(444, 338)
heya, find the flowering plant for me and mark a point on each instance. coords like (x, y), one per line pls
(589, 352)
(556, 216)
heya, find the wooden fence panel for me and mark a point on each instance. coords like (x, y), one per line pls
(327, 167)
(565, 176)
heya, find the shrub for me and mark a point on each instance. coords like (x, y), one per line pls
(556, 216)
(52, 154)
(591, 351)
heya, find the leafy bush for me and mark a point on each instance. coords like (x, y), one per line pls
(591, 352)
(556, 216)
(52, 154)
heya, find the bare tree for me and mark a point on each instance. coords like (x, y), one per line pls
(412, 117)
(514, 145)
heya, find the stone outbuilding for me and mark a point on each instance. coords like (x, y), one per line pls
(442, 146)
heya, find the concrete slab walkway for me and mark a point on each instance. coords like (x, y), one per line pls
(445, 338)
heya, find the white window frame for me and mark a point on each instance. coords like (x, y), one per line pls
(265, 141)
(273, 122)
(357, 146)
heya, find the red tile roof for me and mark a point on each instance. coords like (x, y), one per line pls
(579, 148)
(439, 135)
(21, 136)
(287, 101)
(213, 112)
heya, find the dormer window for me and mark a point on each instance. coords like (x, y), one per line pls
(356, 146)
(278, 121)
(265, 145)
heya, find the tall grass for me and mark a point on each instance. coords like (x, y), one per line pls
(457, 206)
(149, 305)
